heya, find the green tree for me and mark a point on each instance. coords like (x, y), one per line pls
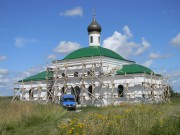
(171, 90)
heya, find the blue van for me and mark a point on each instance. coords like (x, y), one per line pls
(68, 101)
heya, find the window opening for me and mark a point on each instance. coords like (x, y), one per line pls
(90, 91)
(77, 91)
(31, 93)
(62, 90)
(120, 91)
(91, 39)
(99, 39)
(63, 74)
(76, 74)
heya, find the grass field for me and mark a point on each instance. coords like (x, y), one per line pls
(25, 118)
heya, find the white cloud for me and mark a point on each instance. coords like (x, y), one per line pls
(143, 47)
(176, 40)
(148, 63)
(154, 55)
(122, 44)
(76, 11)
(2, 58)
(7, 78)
(3, 71)
(119, 43)
(20, 42)
(32, 71)
(158, 56)
(66, 47)
(52, 56)
(4, 80)
(127, 31)
(173, 78)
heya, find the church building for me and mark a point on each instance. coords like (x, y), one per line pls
(96, 76)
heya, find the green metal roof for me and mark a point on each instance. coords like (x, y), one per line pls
(133, 69)
(126, 69)
(38, 77)
(93, 51)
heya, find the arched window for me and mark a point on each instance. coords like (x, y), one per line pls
(151, 92)
(90, 91)
(91, 39)
(77, 92)
(99, 39)
(76, 74)
(31, 93)
(62, 90)
(88, 72)
(73, 91)
(120, 91)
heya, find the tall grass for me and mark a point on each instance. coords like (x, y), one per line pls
(17, 117)
(126, 119)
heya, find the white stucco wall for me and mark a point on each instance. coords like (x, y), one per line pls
(136, 87)
(96, 41)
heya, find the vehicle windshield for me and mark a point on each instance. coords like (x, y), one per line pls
(68, 99)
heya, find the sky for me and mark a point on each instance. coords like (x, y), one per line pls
(35, 32)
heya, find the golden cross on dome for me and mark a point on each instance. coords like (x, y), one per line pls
(94, 12)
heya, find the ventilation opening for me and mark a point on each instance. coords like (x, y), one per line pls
(120, 91)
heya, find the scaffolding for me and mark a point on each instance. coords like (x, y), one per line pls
(92, 85)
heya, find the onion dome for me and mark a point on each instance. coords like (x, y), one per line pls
(94, 26)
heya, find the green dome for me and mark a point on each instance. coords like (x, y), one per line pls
(93, 51)
(133, 69)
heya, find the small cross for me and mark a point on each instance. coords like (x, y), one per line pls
(94, 12)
